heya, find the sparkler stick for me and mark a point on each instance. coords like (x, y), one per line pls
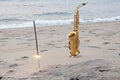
(36, 37)
(38, 55)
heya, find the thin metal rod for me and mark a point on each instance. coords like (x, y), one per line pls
(36, 45)
(39, 66)
(36, 37)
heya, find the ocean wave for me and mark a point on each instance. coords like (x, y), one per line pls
(53, 13)
(117, 18)
(58, 22)
(12, 19)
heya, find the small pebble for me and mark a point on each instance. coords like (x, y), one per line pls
(13, 65)
(43, 50)
(11, 70)
(119, 54)
(71, 78)
(106, 43)
(1, 77)
(103, 70)
(77, 78)
(24, 57)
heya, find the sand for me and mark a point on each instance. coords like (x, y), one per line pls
(99, 58)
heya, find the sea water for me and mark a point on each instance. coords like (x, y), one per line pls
(21, 13)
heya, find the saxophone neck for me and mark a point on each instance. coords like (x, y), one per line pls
(79, 6)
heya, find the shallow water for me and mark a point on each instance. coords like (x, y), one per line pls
(20, 13)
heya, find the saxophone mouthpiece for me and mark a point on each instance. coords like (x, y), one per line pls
(84, 3)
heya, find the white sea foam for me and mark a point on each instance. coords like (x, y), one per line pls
(58, 22)
(38, 23)
(102, 20)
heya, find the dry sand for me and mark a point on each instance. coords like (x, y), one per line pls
(99, 58)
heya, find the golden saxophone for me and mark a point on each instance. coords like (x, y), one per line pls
(74, 36)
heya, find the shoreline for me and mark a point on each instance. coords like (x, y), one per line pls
(88, 23)
(99, 51)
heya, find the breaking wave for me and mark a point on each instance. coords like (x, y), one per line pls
(57, 22)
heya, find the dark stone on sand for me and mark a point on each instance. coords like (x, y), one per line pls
(43, 50)
(1, 77)
(106, 43)
(102, 70)
(13, 65)
(119, 54)
(11, 71)
(40, 71)
(24, 57)
(71, 78)
(84, 4)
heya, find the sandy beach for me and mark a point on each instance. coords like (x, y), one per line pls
(99, 58)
